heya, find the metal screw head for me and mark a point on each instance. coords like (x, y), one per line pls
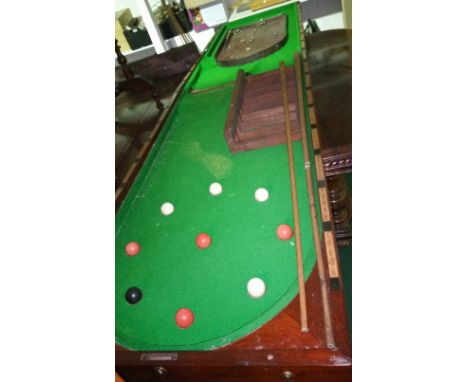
(160, 370)
(288, 374)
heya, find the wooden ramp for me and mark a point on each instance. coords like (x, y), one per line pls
(256, 116)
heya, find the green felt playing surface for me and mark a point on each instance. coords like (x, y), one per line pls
(171, 271)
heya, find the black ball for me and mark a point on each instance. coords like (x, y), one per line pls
(133, 295)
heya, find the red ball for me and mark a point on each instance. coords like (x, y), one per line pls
(284, 232)
(184, 318)
(203, 240)
(132, 248)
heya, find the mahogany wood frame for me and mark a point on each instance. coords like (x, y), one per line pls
(277, 351)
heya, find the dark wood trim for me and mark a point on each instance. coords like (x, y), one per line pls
(276, 347)
(122, 60)
(328, 326)
(328, 234)
(337, 161)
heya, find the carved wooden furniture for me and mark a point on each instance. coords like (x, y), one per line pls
(329, 56)
(134, 117)
(170, 70)
(340, 199)
(133, 83)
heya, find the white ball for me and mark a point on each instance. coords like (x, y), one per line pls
(167, 208)
(256, 287)
(261, 194)
(215, 189)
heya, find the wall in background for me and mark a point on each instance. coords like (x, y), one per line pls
(122, 4)
(314, 9)
(131, 4)
(347, 10)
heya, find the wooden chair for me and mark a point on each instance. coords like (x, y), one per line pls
(138, 107)
(133, 83)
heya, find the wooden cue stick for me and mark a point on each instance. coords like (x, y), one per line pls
(292, 176)
(329, 337)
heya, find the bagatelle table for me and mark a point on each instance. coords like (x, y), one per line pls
(231, 333)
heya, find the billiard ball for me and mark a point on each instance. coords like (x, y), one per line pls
(284, 232)
(133, 295)
(261, 194)
(167, 208)
(215, 189)
(203, 240)
(132, 248)
(184, 318)
(256, 287)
